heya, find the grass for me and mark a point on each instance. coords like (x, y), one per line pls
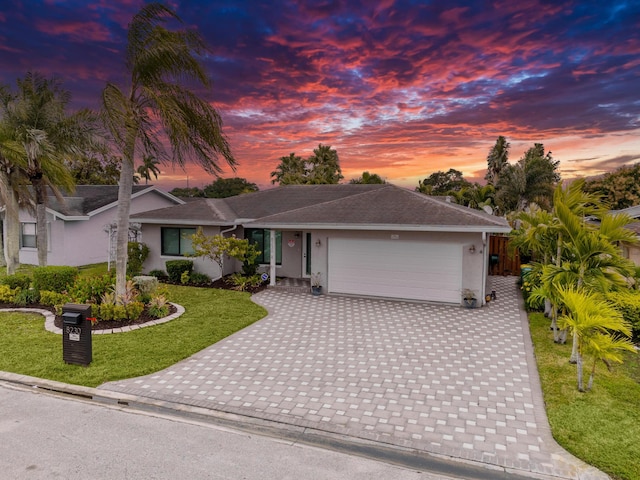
(211, 315)
(602, 427)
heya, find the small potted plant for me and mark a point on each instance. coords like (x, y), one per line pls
(316, 283)
(469, 298)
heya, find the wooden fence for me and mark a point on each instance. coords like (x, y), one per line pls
(501, 261)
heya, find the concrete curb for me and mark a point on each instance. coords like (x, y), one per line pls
(393, 454)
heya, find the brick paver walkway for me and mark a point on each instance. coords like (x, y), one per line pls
(443, 379)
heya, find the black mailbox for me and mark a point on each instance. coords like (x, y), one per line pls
(71, 318)
(76, 334)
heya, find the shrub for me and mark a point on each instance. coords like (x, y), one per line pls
(175, 269)
(53, 299)
(627, 302)
(137, 253)
(159, 274)
(198, 278)
(147, 286)
(8, 294)
(90, 289)
(133, 310)
(27, 296)
(158, 307)
(17, 280)
(184, 278)
(242, 283)
(111, 311)
(54, 278)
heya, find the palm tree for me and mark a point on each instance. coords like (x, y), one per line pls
(290, 171)
(589, 318)
(158, 61)
(37, 119)
(368, 178)
(497, 160)
(13, 185)
(323, 166)
(149, 166)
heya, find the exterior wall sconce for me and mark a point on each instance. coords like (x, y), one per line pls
(318, 243)
(472, 249)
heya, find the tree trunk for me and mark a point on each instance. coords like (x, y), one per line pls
(41, 220)
(578, 364)
(11, 225)
(3, 261)
(122, 234)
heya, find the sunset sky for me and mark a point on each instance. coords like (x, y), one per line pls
(400, 88)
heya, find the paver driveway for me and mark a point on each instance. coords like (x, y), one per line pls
(443, 379)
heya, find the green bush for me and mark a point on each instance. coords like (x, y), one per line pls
(54, 299)
(159, 274)
(8, 294)
(54, 278)
(133, 310)
(17, 280)
(137, 253)
(27, 296)
(158, 306)
(175, 269)
(147, 285)
(111, 311)
(628, 303)
(242, 283)
(198, 278)
(90, 289)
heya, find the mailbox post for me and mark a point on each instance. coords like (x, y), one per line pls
(76, 334)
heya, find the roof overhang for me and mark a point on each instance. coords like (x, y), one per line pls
(382, 227)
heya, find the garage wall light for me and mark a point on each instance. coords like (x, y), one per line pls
(318, 243)
(472, 249)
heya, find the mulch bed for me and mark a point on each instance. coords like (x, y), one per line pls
(222, 284)
(144, 317)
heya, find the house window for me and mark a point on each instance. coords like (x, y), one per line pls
(262, 238)
(176, 241)
(28, 235)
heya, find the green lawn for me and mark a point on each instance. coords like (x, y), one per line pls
(602, 427)
(210, 316)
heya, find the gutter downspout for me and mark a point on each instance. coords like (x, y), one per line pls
(485, 260)
(272, 258)
(222, 232)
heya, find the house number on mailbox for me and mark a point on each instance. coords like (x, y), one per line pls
(73, 332)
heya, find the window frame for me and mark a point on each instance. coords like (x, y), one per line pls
(266, 240)
(34, 235)
(182, 233)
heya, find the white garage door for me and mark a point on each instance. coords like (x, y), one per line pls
(396, 269)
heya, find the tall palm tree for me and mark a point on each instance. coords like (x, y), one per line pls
(290, 171)
(324, 166)
(497, 160)
(158, 61)
(37, 119)
(149, 167)
(13, 184)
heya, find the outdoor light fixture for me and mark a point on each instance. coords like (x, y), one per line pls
(318, 243)
(472, 249)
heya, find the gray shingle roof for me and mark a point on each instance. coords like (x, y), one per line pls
(88, 198)
(328, 206)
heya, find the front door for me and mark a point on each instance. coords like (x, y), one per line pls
(306, 254)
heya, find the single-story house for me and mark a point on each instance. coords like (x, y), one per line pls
(632, 252)
(81, 227)
(370, 240)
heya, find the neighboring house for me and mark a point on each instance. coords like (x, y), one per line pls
(372, 240)
(632, 252)
(79, 227)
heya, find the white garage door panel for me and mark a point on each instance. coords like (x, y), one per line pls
(393, 268)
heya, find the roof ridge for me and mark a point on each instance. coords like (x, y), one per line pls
(461, 208)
